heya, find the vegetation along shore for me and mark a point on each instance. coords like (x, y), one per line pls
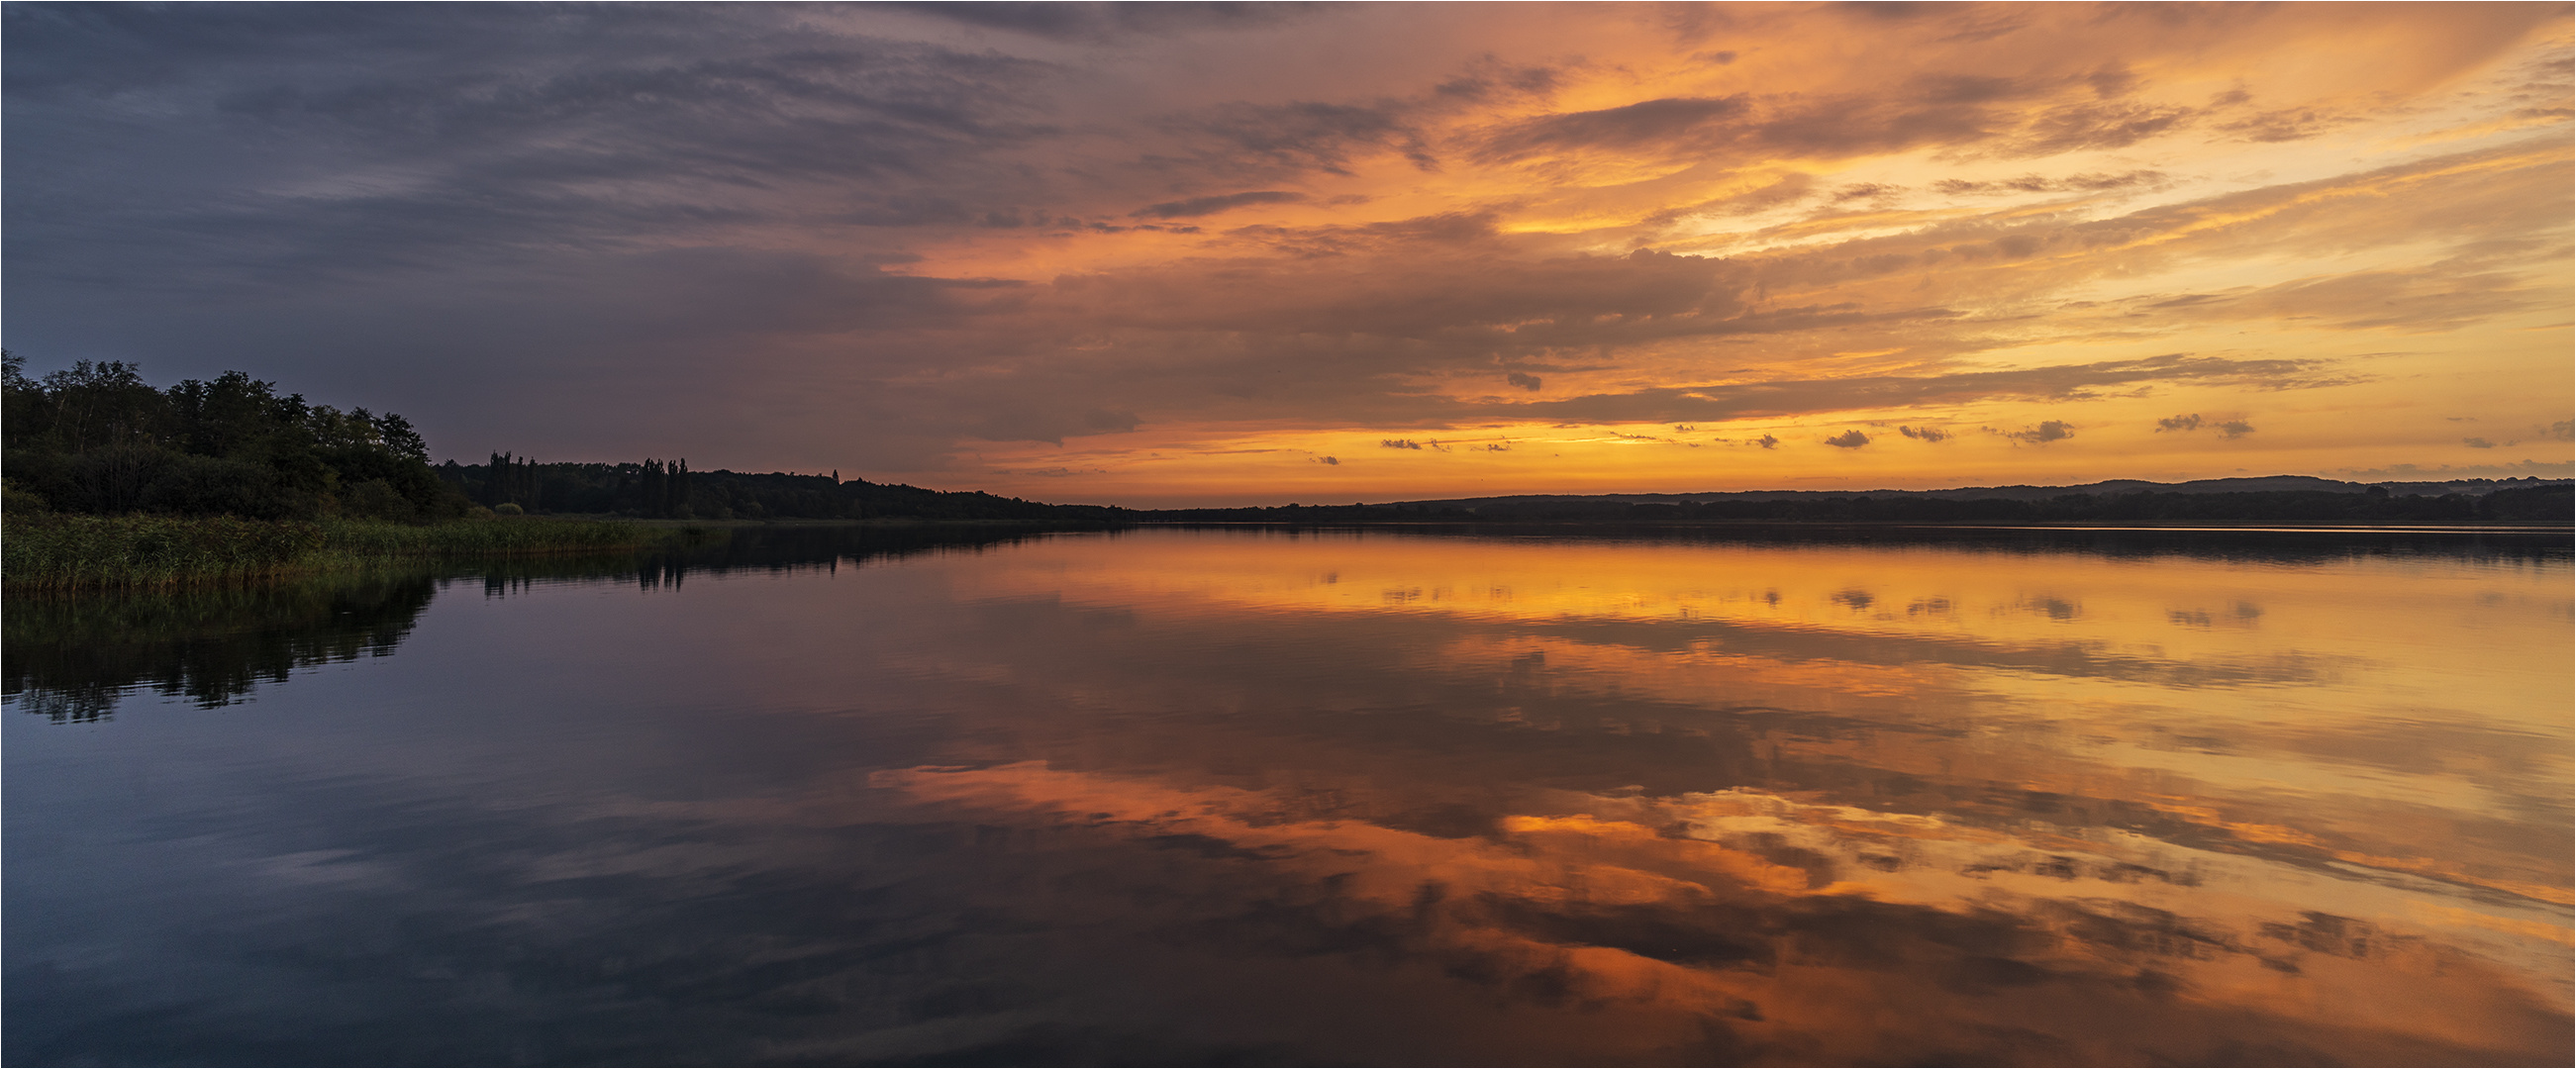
(111, 483)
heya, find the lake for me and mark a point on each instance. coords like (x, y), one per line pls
(1268, 796)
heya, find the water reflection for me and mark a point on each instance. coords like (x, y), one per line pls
(71, 659)
(1255, 797)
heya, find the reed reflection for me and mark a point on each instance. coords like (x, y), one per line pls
(72, 658)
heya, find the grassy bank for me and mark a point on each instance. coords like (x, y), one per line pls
(62, 553)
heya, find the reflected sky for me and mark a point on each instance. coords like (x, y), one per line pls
(1264, 797)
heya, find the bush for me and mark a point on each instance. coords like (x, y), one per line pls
(376, 499)
(216, 486)
(14, 500)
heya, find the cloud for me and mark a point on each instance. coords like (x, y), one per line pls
(1767, 442)
(2089, 182)
(1786, 397)
(1328, 460)
(1398, 443)
(1300, 136)
(2047, 431)
(1198, 206)
(1928, 434)
(2230, 429)
(1662, 123)
(1851, 439)
(2477, 443)
(788, 230)
(397, 139)
(2561, 431)
(1108, 22)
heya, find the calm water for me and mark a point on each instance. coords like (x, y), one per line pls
(1261, 797)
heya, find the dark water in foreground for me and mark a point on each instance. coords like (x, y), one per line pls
(1263, 797)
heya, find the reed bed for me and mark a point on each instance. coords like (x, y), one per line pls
(66, 553)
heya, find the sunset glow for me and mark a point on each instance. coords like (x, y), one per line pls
(1174, 255)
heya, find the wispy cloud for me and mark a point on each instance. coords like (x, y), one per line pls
(979, 242)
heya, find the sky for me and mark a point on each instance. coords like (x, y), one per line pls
(1187, 254)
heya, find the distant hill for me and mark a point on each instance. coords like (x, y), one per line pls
(2272, 499)
(2258, 484)
(653, 488)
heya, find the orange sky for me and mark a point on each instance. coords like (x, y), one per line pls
(1364, 252)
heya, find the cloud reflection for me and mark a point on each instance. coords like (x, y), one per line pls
(1816, 933)
(1216, 796)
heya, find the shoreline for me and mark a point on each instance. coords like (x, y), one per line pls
(53, 553)
(56, 553)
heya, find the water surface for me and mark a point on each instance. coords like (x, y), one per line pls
(1298, 797)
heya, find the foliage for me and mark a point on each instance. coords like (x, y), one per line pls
(97, 439)
(656, 489)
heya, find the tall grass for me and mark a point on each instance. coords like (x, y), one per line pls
(63, 553)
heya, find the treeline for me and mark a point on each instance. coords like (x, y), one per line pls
(514, 485)
(2538, 504)
(97, 439)
(655, 489)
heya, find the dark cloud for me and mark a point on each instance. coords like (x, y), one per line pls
(2047, 431)
(1462, 304)
(1197, 206)
(1101, 22)
(1767, 442)
(2230, 429)
(1955, 113)
(258, 146)
(2477, 443)
(1390, 237)
(1526, 382)
(1399, 443)
(1659, 123)
(1491, 79)
(1928, 434)
(2097, 125)
(1851, 439)
(1302, 136)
